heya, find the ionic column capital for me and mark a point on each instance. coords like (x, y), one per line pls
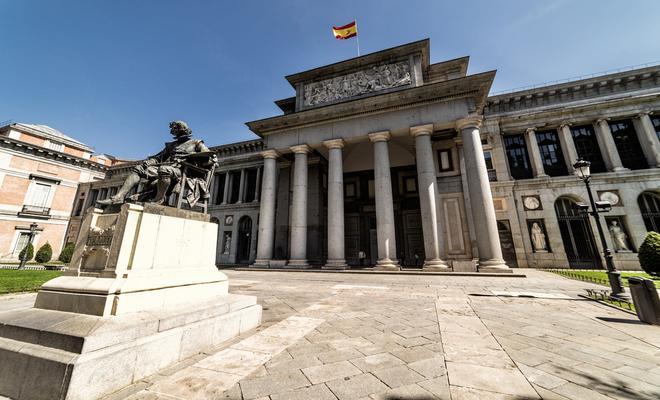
(530, 130)
(602, 120)
(382, 136)
(420, 130)
(471, 121)
(644, 114)
(564, 124)
(301, 149)
(270, 154)
(334, 143)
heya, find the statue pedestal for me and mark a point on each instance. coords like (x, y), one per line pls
(142, 292)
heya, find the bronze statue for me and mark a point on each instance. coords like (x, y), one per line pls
(184, 165)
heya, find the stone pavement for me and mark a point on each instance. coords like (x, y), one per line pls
(358, 336)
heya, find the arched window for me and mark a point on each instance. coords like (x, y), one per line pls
(649, 205)
(576, 235)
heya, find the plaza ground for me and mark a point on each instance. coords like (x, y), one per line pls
(370, 336)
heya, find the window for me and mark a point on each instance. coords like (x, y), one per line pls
(627, 144)
(587, 147)
(551, 154)
(649, 205)
(250, 184)
(409, 184)
(79, 205)
(21, 242)
(445, 161)
(488, 157)
(655, 119)
(53, 145)
(516, 153)
(350, 190)
(220, 189)
(234, 187)
(37, 198)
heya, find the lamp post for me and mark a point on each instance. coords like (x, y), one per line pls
(582, 169)
(33, 229)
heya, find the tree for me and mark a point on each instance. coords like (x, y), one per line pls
(44, 254)
(649, 254)
(67, 253)
(27, 253)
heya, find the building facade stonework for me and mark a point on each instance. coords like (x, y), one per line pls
(390, 161)
(40, 170)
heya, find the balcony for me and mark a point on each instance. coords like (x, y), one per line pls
(34, 211)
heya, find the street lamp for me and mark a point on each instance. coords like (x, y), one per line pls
(33, 229)
(582, 168)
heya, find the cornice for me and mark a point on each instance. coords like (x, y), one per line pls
(51, 155)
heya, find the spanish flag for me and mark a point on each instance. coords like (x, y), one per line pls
(345, 32)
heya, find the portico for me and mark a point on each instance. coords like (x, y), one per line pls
(384, 120)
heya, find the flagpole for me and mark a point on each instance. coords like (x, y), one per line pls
(357, 36)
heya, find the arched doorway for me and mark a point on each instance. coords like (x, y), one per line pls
(649, 205)
(576, 235)
(244, 239)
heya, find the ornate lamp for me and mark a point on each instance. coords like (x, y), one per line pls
(582, 168)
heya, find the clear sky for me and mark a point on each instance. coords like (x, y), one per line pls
(114, 73)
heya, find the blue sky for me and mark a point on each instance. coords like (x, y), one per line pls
(114, 73)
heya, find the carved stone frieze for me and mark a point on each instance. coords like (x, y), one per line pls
(379, 77)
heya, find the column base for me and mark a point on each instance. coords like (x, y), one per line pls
(261, 264)
(335, 264)
(297, 264)
(385, 264)
(494, 266)
(435, 265)
(620, 169)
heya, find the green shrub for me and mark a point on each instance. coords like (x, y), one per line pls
(67, 253)
(27, 253)
(44, 254)
(649, 254)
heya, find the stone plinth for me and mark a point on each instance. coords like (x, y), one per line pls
(140, 258)
(142, 293)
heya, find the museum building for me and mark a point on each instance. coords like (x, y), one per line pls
(388, 160)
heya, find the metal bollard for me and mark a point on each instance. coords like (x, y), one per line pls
(646, 300)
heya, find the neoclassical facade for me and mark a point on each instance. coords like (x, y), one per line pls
(390, 161)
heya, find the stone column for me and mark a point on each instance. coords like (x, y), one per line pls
(298, 228)
(267, 210)
(336, 252)
(256, 185)
(606, 142)
(226, 191)
(648, 138)
(427, 182)
(385, 230)
(481, 198)
(568, 146)
(241, 187)
(535, 154)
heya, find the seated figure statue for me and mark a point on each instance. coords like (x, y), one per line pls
(162, 172)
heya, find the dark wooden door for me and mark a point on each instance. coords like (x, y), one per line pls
(244, 239)
(506, 243)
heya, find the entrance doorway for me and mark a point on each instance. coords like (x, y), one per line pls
(576, 235)
(506, 243)
(244, 240)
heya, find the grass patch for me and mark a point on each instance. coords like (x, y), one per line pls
(600, 277)
(12, 281)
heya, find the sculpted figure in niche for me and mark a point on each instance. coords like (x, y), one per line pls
(161, 173)
(619, 237)
(538, 238)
